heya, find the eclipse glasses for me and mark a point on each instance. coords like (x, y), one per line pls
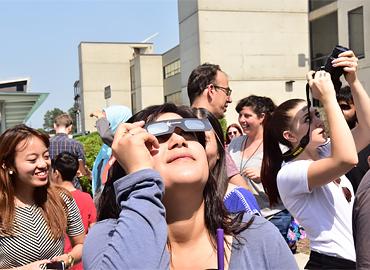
(186, 124)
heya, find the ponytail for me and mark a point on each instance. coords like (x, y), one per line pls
(271, 162)
(274, 127)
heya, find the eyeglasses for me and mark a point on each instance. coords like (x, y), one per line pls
(345, 107)
(186, 124)
(227, 90)
(232, 133)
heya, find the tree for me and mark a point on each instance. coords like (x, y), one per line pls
(49, 118)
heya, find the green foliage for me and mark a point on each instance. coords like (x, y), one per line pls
(49, 118)
(92, 144)
(86, 184)
(223, 124)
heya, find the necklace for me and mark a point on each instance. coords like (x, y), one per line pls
(242, 166)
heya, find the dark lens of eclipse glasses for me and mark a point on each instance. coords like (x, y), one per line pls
(186, 124)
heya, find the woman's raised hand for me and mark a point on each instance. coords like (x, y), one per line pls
(133, 147)
(321, 85)
(349, 62)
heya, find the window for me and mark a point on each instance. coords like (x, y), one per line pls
(316, 4)
(323, 38)
(174, 98)
(132, 77)
(356, 31)
(171, 69)
(133, 102)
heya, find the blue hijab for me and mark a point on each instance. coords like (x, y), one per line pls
(115, 115)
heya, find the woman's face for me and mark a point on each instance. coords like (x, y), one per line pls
(32, 163)
(233, 132)
(299, 125)
(181, 159)
(249, 120)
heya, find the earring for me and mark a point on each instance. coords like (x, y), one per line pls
(11, 172)
(3, 166)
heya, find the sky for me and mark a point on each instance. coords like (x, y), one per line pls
(40, 38)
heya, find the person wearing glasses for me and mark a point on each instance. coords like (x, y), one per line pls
(345, 100)
(233, 131)
(208, 88)
(309, 179)
(168, 207)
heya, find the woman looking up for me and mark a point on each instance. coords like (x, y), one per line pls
(175, 229)
(312, 185)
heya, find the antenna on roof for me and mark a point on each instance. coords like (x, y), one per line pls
(149, 38)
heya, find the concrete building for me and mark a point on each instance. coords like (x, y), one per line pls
(256, 43)
(341, 22)
(264, 46)
(131, 70)
(16, 104)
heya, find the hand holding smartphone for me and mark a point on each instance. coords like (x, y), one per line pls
(60, 265)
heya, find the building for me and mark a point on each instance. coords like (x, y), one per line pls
(130, 70)
(264, 46)
(16, 104)
(341, 22)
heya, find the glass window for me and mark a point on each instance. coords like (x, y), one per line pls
(323, 38)
(132, 77)
(133, 102)
(174, 98)
(356, 31)
(316, 4)
(172, 69)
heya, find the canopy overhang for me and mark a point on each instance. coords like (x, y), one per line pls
(17, 108)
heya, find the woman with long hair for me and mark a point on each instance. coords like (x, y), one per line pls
(34, 214)
(247, 153)
(309, 178)
(233, 131)
(153, 229)
(236, 198)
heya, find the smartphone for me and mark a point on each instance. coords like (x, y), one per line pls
(56, 265)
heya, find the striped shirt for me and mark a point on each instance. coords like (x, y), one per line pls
(61, 142)
(32, 239)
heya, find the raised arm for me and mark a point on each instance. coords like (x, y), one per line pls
(139, 236)
(343, 151)
(361, 133)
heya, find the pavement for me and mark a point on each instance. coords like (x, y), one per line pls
(301, 259)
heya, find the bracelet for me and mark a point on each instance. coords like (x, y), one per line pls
(71, 261)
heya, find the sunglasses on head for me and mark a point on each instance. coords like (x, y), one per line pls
(186, 124)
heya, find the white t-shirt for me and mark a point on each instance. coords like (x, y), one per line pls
(324, 213)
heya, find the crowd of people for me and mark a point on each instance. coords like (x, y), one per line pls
(171, 189)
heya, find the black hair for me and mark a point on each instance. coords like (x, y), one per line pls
(345, 94)
(199, 78)
(260, 105)
(273, 130)
(215, 214)
(66, 164)
(219, 170)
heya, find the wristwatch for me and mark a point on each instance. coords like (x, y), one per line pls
(71, 261)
